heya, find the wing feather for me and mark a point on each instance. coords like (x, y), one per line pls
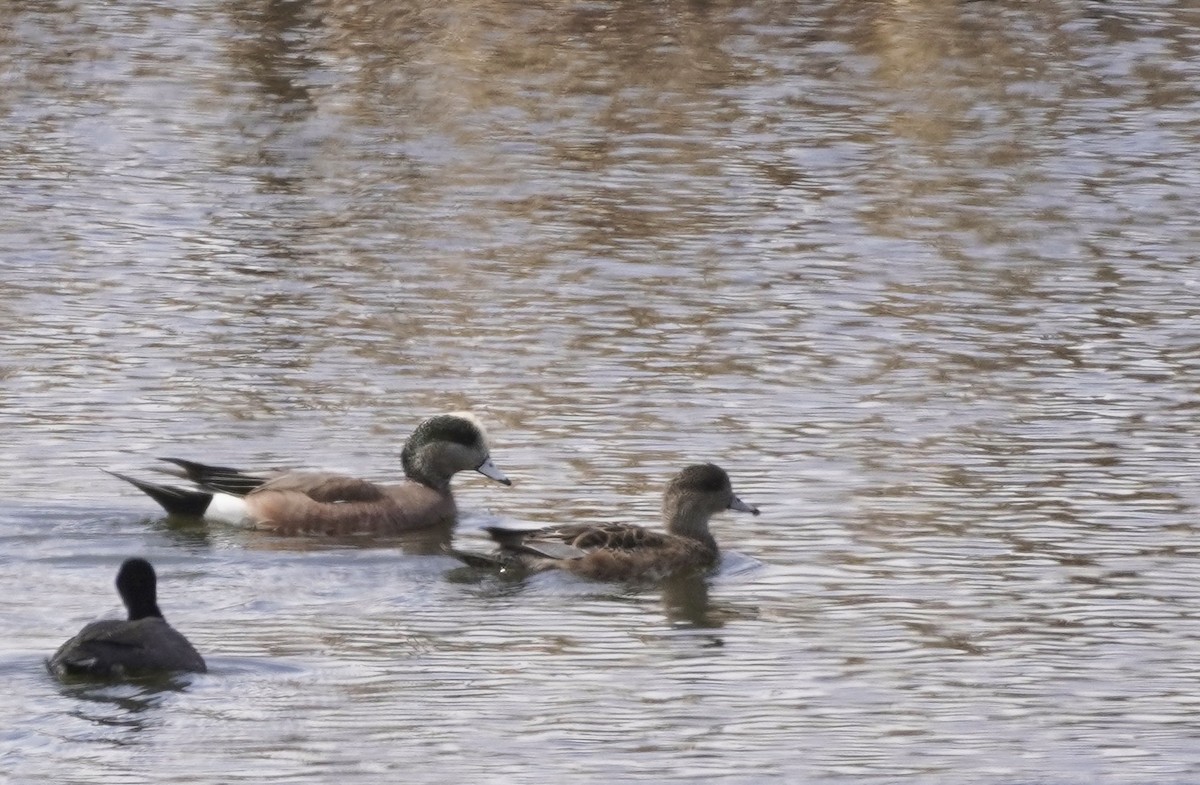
(326, 488)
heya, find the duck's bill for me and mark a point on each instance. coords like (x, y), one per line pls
(741, 506)
(489, 470)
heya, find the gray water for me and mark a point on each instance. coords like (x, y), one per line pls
(921, 275)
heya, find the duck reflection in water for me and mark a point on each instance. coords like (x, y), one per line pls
(686, 602)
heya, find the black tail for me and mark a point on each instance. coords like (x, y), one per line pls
(176, 501)
(218, 478)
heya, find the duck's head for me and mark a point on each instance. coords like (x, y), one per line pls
(138, 586)
(446, 444)
(695, 494)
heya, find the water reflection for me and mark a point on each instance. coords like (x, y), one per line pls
(430, 541)
(129, 704)
(685, 599)
(924, 271)
(194, 533)
(186, 531)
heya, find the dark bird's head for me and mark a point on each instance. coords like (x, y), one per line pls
(138, 586)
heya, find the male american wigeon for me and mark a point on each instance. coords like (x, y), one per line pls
(143, 643)
(297, 502)
(621, 551)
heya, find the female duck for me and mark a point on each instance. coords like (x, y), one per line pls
(143, 643)
(297, 502)
(624, 551)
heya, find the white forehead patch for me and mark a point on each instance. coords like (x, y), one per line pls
(471, 418)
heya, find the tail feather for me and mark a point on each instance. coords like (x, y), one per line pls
(498, 560)
(176, 501)
(506, 537)
(224, 479)
(524, 541)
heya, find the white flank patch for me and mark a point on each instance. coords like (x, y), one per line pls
(230, 509)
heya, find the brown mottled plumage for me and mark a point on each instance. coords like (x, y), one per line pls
(306, 502)
(619, 551)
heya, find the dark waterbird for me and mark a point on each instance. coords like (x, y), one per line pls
(144, 643)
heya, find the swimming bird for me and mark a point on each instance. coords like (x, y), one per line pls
(143, 643)
(298, 502)
(619, 551)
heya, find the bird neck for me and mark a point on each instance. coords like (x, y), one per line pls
(426, 467)
(689, 519)
(143, 609)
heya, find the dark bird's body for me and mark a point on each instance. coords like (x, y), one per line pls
(118, 647)
(141, 644)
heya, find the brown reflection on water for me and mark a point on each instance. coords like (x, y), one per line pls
(920, 275)
(432, 541)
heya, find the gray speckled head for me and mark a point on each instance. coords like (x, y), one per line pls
(450, 428)
(444, 445)
(446, 428)
(138, 586)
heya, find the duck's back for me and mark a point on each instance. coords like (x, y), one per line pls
(325, 487)
(115, 647)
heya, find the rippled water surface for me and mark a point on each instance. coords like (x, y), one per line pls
(921, 275)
